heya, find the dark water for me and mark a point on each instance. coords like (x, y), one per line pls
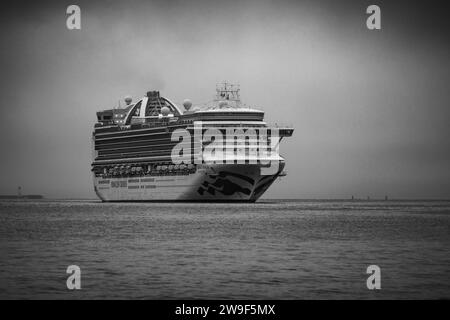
(273, 249)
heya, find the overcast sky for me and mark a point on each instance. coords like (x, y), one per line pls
(370, 108)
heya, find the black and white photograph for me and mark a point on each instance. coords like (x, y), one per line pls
(225, 155)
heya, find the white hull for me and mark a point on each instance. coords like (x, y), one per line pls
(215, 182)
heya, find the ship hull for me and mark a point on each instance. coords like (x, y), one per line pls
(209, 183)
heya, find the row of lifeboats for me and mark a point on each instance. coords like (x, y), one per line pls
(120, 169)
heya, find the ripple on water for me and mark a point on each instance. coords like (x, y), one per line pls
(267, 250)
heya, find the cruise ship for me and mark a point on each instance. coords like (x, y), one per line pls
(154, 150)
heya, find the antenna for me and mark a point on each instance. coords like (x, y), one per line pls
(228, 92)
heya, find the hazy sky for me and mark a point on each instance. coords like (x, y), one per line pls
(370, 108)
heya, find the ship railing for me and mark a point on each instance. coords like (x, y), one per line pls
(280, 125)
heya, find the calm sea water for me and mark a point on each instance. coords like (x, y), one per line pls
(268, 250)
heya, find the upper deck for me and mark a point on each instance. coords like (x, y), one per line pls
(142, 131)
(155, 111)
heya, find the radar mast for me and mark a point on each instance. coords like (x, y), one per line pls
(228, 92)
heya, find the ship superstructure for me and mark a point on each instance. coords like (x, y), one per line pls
(152, 150)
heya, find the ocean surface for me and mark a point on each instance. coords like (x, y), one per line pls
(268, 250)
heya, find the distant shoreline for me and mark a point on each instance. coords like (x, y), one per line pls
(25, 197)
(40, 197)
